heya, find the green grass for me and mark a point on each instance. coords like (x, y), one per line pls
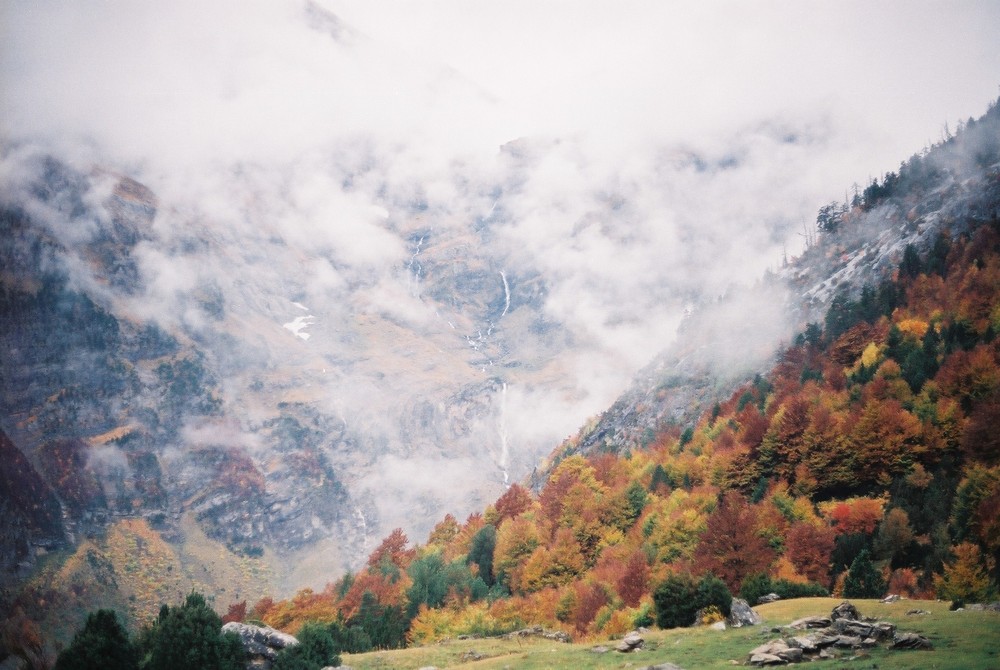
(966, 640)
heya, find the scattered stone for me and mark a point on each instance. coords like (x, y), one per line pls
(538, 631)
(811, 622)
(772, 648)
(630, 642)
(891, 598)
(845, 610)
(472, 655)
(847, 641)
(718, 625)
(806, 644)
(662, 666)
(600, 649)
(792, 655)
(769, 598)
(914, 612)
(765, 659)
(741, 614)
(910, 641)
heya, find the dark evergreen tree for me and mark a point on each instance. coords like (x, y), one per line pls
(713, 591)
(349, 639)
(316, 649)
(385, 625)
(190, 636)
(481, 552)
(102, 644)
(675, 600)
(863, 579)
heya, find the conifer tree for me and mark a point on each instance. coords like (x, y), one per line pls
(863, 579)
(102, 644)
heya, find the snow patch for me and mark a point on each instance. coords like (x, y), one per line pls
(298, 326)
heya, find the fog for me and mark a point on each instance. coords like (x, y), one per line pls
(598, 167)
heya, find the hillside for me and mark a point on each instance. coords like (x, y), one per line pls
(870, 445)
(213, 449)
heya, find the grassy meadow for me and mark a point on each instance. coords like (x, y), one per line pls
(967, 640)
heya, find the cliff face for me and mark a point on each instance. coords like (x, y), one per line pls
(162, 369)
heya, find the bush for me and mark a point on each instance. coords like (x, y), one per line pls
(316, 649)
(675, 601)
(678, 598)
(759, 585)
(713, 592)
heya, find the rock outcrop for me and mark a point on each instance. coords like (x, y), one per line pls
(845, 628)
(262, 643)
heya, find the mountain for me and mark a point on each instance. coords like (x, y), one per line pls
(725, 343)
(229, 397)
(865, 461)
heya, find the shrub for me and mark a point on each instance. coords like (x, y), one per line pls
(678, 598)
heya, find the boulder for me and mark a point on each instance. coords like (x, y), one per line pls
(845, 610)
(913, 612)
(811, 622)
(891, 598)
(772, 648)
(718, 625)
(766, 659)
(769, 598)
(792, 655)
(630, 642)
(806, 644)
(910, 641)
(741, 614)
(662, 666)
(262, 643)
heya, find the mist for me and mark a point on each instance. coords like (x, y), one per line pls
(493, 215)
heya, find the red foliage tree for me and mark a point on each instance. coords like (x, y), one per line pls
(514, 501)
(633, 582)
(237, 612)
(808, 547)
(731, 547)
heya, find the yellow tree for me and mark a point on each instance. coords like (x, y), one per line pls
(967, 578)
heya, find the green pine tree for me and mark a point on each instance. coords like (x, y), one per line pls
(102, 644)
(863, 579)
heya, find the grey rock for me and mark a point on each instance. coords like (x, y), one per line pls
(772, 648)
(262, 643)
(910, 641)
(718, 625)
(741, 614)
(792, 655)
(630, 642)
(769, 598)
(915, 612)
(662, 666)
(811, 622)
(806, 644)
(600, 649)
(891, 598)
(766, 659)
(847, 641)
(845, 610)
